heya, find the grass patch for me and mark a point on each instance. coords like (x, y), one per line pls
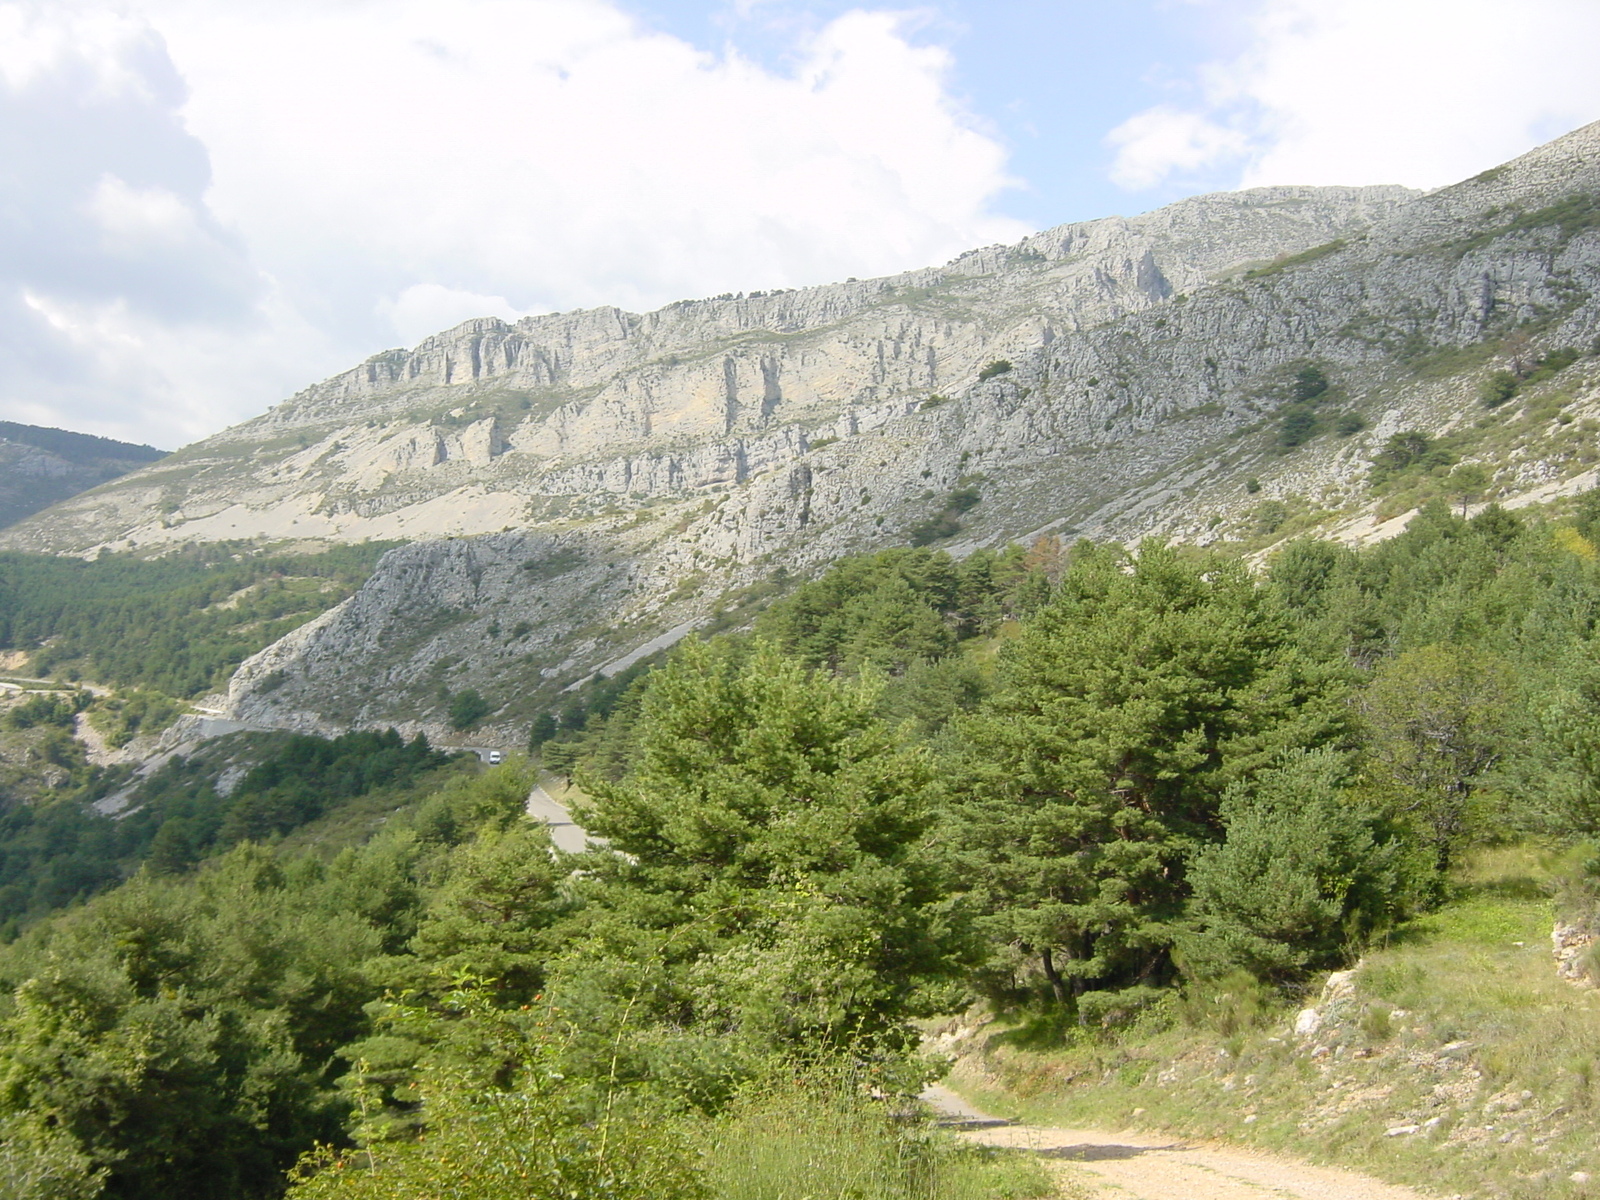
(1278, 266)
(1457, 1033)
(1568, 217)
(1446, 361)
(796, 1141)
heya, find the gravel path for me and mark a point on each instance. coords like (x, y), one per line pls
(1139, 1166)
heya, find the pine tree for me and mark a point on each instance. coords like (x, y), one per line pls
(1124, 711)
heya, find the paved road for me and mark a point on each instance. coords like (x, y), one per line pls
(1139, 1166)
(565, 835)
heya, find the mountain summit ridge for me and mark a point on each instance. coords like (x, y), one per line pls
(628, 476)
(571, 403)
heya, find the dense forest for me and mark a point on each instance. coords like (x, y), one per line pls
(106, 824)
(176, 625)
(1070, 780)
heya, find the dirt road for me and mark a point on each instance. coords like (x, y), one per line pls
(1137, 1166)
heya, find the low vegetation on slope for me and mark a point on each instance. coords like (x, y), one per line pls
(1452, 1057)
(39, 466)
(98, 827)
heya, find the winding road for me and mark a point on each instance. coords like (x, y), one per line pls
(542, 806)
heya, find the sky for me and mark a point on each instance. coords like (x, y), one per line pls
(207, 205)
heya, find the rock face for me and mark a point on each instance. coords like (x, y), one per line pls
(1572, 946)
(581, 484)
(492, 425)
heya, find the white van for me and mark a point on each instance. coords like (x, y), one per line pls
(494, 757)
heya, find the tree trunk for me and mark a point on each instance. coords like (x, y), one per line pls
(1054, 976)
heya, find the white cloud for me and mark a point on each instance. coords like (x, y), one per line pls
(1153, 144)
(1422, 92)
(132, 219)
(337, 176)
(110, 263)
(37, 41)
(425, 308)
(555, 154)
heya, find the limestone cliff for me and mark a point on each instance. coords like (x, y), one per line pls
(490, 425)
(626, 475)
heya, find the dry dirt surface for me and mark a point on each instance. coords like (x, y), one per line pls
(1124, 1166)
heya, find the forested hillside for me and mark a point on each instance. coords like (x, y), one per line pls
(101, 826)
(1077, 783)
(39, 466)
(178, 624)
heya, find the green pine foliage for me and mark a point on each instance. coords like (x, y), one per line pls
(1305, 871)
(1092, 786)
(1122, 714)
(176, 625)
(767, 874)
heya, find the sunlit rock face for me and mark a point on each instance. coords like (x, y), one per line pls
(578, 484)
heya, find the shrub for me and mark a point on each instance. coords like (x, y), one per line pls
(1309, 383)
(1349, 424)
(1302, 872)
(946, 522)
(124, 717)
(1410, 449)
(1499, 387)
(1555, 362)
(998, 367)
(1109, 1009)
(509, 1122)
(1270, 516)
(467, 709)
(47, 709)
(1299, 425)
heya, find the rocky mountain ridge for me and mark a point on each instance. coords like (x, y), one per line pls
(629, 476)
(489, 424)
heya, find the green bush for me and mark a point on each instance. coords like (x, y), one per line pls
(467, 708)
(1309, 383)
(999, 366)
(1410, 450)
(1349, 424)
(1301, 875)
(124, 717)
(49, 708)
(1270, 516)
(946, 522)
(506, 1122)
(1296, 427)
(1499, 387)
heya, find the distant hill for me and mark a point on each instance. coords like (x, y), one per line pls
(40, 466)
